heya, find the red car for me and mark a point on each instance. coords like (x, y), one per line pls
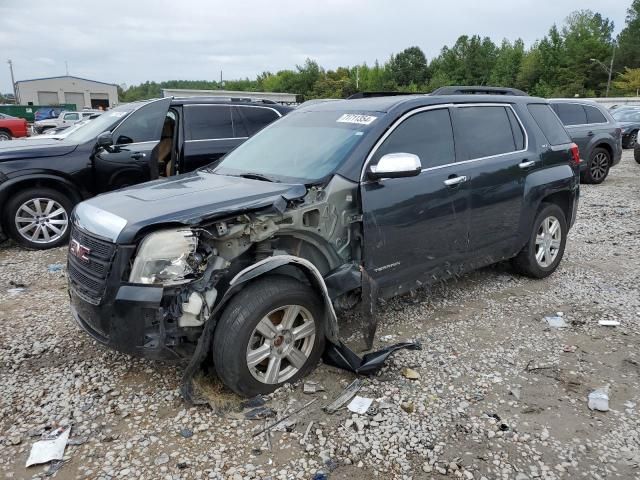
(12, 127)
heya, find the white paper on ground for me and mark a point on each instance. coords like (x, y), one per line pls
(609, 323)
(360, 404)
(44, 451)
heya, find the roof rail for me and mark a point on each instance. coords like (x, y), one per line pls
(230, 99)
(381, 94)
(478, 90)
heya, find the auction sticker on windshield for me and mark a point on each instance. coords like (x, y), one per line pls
(355, 118)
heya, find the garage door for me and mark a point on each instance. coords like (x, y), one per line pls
(48, 98)
(75, 97)
(99, 100)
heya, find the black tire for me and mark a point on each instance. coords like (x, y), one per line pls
(525, 262)
(631, 141)
(44, 194)
(237, 323)
(598, 166)
(4, 136)
(636, 152)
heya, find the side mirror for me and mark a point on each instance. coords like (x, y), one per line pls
(105, 140)
(396, 165)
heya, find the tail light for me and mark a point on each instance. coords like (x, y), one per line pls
(575, 154)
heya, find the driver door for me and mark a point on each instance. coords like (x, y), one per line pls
(133, 158)
(416, 228)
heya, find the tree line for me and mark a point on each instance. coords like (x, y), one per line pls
(572, 59)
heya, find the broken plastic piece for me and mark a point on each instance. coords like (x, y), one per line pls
(360, 404)
(269, 427)
(599, 399)
(410, 373)
(343, 357)
(609, 323)
(556, 322)
(346, 395)
(312, 387)
(260, 413)
(51, 448)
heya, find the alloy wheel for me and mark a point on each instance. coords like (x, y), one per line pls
(633, 139)
(548, 240)
(4, 137)
(599, 166)
(281, 344)
(41, 220)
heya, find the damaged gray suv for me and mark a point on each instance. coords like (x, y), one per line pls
(247, 261)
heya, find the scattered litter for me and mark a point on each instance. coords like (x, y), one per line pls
(54, 467)
(306, 432)
(260, 413)
(78, 441)
(599, 399)
(286, 426)
(556, 322)
(312, 387)
(15, 291)
(516, 392)
(268, 427)
(346, 395)
(569, 348)
(50, 448)
(410, 373)
(342, 357)
(609, 323)
(408, 407)
(186, 432)
(253, 402)
(55, 268)
(360, 404)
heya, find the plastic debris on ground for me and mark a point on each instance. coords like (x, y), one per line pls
(599, 399)
(267, 428)
(15, 291)
(50, 448)
(312, 387)
(410, 373)
(260, 413)
(55, 268)
(556, 321)
(346, 395)
(343, 357)
(608, 323)
(360, 404)
(78, 441)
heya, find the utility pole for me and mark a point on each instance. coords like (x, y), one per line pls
(357, 77)
(13, 82)
(613, 55)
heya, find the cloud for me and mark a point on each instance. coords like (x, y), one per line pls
(134, 41)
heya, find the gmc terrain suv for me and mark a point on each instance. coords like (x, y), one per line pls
(42, 179)
(337, 203)
(596, 133)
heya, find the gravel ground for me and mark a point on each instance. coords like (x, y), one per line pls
(501, 394)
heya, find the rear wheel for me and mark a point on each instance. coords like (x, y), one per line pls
(269, 334)
(632, 140)
(636, 152)
(38, 218)
(4, 136)
(598, 166)
(543, 252)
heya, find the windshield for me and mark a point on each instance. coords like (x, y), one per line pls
(627, 115)
(104, 122)
(301, 147)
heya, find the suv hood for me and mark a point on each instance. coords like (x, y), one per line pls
(185, 199)
(34, 148)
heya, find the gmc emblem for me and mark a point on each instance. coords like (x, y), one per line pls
(79, 251)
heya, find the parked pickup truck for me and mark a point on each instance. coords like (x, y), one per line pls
(12, 127)
(42, 180)
(65, 119)
(340, 202)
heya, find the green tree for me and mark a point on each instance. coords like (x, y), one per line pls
(629, 81)
(508, 63)
(628, 52)
(409, 67)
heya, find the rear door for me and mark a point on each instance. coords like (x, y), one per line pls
(415, 228)
(211, 131)
(574, 118)
(133, 157)
(256, 118)
(492, 153)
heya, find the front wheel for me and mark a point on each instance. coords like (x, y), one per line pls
(632, 140)
(4, 136)
(269, 334)
(542, 254)
(598, 166)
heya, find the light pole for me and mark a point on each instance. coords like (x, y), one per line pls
(608, 69)
(13, 82)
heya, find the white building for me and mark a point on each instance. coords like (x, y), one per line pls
(286, 98)
(67, 89)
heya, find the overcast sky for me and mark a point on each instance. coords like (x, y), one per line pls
(136, 40)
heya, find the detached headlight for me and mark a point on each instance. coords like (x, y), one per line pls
(163, 258)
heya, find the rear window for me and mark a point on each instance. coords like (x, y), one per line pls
(256, 118)
(571, 113)
(482, 132)
(208, 122)
(549, 123)
(594, 115)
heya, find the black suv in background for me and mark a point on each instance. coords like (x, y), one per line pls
(596, 133)
(338, 202)
(41, 180)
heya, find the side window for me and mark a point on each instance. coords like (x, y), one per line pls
(571, 113)
(549, 123)
(71, 116)
(482, 132)
(239, 124)
(516, 129)
(143, 125)
(208, 122)
(257, 118)
(594, 115)
(426, 134)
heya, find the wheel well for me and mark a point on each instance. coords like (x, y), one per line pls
(563, 200)
(2, 129)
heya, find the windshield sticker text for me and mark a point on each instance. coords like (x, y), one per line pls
(354, 118)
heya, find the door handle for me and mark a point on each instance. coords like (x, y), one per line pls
(450, 182)
(138, 155)
(526, 164)
(590, 134)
